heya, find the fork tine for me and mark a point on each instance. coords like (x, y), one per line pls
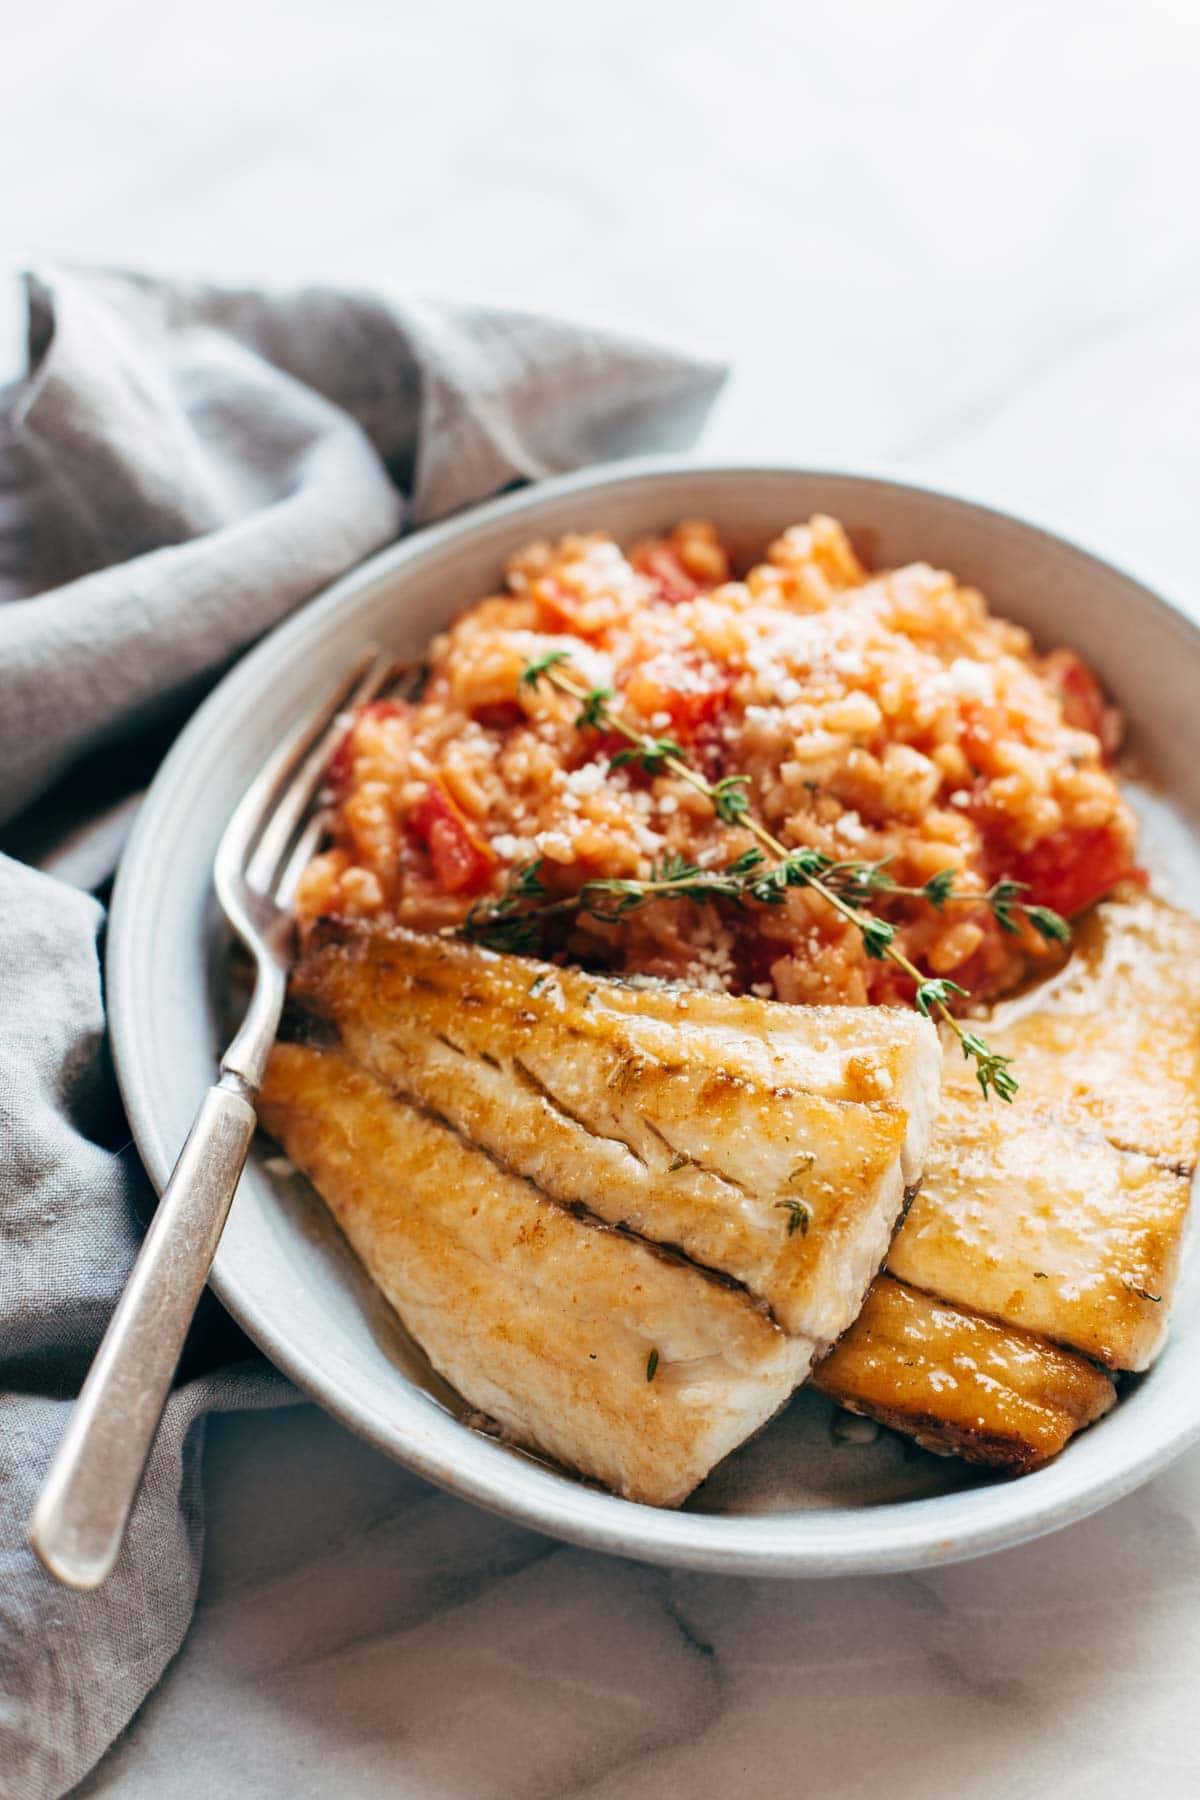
(255, 804)
(293, 804)
(288, 878)
(290, 786)
(81, 1516)
(272, 810)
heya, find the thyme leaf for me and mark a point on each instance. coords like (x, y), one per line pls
(877, 935)
(652, 756)
(940, 888)
(591, 714)
(763, 874)
(528, 881)
(1002, 897)
(1051, 925)
(992, 1071)
(542, 665)
(799, 1217)
(730, 801)
(935, 992)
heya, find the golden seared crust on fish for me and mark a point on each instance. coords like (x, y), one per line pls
(619, 1360)
(960, 1384)
(838, 1052)
(770, 1144)
(1066, 1215)
(1112, 1042)
(1042, 1225)
(1063, 1215)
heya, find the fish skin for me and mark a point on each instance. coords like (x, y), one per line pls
(543, 1320)
(960, 1384)
(698, 1137)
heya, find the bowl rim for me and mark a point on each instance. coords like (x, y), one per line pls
(825, 1541)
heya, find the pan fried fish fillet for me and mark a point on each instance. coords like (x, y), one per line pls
(546, 1321)
(1112, 1043)
(1062, 1216)
(621, 1221)
(961, 1384)
(770, 1144)
(1047, 1227)
(1067, 1215)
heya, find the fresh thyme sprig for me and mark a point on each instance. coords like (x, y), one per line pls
(763, 874)
(506, 924)
(862, 881)
(748, 877)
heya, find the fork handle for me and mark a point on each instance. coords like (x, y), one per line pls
(80, 1517)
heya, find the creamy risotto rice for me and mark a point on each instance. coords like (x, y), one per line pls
(877, 716)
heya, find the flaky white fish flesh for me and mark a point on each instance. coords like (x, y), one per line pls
(621, 1220)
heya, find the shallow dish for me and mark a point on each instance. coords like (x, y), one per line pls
(798, 1500)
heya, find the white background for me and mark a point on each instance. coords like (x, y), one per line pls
(959, 241)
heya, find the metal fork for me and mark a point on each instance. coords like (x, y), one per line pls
(79, 1521)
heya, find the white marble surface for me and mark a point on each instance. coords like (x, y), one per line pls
(954, 239)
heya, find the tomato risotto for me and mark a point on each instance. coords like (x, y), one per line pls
(878, 717)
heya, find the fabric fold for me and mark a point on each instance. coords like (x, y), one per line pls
(181, 467)
(195, 462)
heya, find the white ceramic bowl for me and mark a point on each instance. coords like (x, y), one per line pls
(795, 1502)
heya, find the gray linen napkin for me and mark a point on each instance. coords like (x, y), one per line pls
(181, 467)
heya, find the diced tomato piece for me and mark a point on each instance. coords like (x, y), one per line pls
(566, 609)
(753, 954)
(689, 691)
(500, 715)
(708, 749)
(888, 985)
(1070, 869)
(983, 727)
(1083, 703)
(462, 864)
(660, 563)
(341, 763)
(555, 600)
(606, 744)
